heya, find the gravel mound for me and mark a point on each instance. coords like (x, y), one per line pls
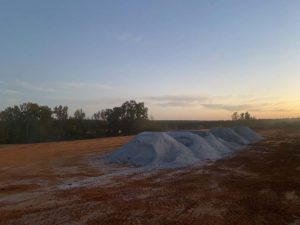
(248, 134)
(176, 149)
(218, 144)
(229, 135)
(155, 149)
(199, 146)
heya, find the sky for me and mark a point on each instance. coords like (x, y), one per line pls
(191, 60)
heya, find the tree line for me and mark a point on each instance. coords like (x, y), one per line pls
(31, 122)
(242, 116)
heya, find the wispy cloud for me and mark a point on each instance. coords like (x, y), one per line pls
(65, 87)
(32, 87)
(11, 92)
(240, 103)
(227, 107)
(73, 94)
(177, 100)
(254, 107)
(87, 86)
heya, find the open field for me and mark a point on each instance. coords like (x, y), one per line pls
(69, 183)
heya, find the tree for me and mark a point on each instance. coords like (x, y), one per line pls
(61, 112)
(126, 119)
(25, 123)
(44, 113)
(247, 116)
(31, 122)
(79, 114)
(235, 116)
(104, 114)
(242, 116)
(12, 126)
(10, 114)
(97, 115)
(32, 113)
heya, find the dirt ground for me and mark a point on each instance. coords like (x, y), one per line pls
(70, 183)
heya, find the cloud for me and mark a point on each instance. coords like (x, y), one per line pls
(177, 100)
(231, 104)
(62, 88)
(11, 91)
(73, 94)
(280, 110)
(31, 87)
(227, 107)
(87, 86)
(259, 107)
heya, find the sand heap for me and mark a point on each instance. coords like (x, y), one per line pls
(174, 149)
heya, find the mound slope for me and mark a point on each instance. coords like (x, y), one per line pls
(215, 142)
(174, 149)
(198, 145)
(156, 149)
(229, 135)
(248, 134)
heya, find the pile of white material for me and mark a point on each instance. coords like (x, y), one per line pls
(219, 144)
(229, 135)
(248, 134)
(174, 149)
(155, 148)
(199, 146)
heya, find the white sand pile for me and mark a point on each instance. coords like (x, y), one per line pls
(248, 134)
(175, 149)
(199, 146)
(229, 135)
(216, 143)
(155, 149)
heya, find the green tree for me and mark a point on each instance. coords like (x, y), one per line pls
(11, 114)
(37, 120)
(126, 119)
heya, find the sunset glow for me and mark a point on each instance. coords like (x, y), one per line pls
(187, 60)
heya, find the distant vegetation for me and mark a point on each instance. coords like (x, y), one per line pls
(129, 118)
(242, 116)
(30, 122)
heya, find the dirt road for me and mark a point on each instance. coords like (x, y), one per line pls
(69, 183)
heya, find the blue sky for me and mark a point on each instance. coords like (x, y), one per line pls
(184, 59)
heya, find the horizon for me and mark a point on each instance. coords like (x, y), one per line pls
(186, 60)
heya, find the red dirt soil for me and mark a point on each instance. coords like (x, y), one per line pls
(67, 183)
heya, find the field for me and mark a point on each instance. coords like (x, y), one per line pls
(70, 183)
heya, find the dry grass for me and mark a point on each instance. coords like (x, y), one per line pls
(260, 185)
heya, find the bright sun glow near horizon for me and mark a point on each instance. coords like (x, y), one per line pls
(187, 60)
